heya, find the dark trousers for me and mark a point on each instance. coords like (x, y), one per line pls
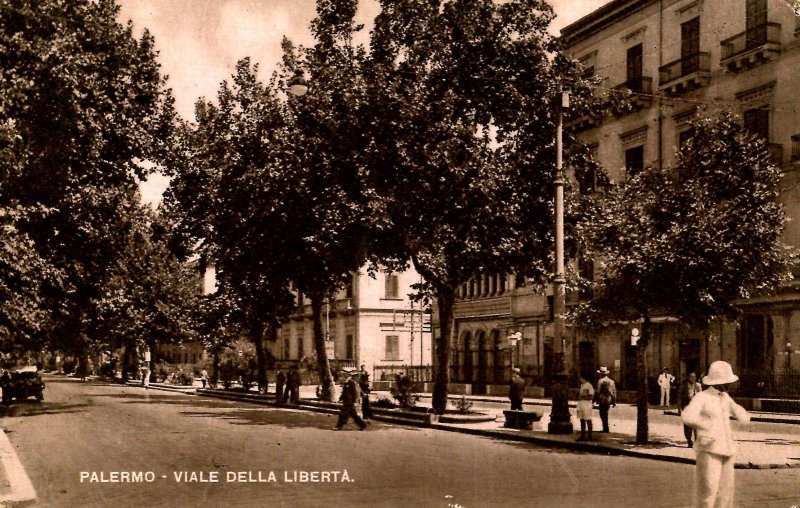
(516, 404)
(347, 412)
(689, 433)
(366, 410)
(279, 394)
(604, 416)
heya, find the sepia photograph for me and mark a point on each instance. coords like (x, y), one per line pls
(400, 253)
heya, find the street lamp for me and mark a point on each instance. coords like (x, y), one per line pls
(560, 418)
(298, 86)
(513, 339)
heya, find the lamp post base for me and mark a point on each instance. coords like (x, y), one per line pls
(560, 417)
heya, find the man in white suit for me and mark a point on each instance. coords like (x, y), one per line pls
(709, 413)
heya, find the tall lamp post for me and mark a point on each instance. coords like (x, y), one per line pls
(513, 339)
(560, 418)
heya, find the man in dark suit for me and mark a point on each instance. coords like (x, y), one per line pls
(351, 395)
(516, 390)
(689, 388)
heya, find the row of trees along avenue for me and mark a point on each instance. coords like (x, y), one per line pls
(82, 105)
(431, 145)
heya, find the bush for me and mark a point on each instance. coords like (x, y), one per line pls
(462, 405)
(384, 403)
(404, 391)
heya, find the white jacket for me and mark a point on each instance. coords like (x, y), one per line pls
(709, 412)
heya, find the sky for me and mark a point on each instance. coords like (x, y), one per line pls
(200, 41)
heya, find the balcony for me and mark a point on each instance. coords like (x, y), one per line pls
(796, 148)
(583, 122)
(686, 74)
(632, 95)
(753, 47)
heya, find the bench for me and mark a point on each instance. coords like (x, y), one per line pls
(522, 420)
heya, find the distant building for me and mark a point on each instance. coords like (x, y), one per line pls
(370, 322)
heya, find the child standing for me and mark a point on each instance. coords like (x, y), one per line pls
(585, 397)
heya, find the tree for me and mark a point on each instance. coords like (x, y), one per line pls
(231, 196)
(87, 104)
(461, 149)
(332, 208)
(151, 294)
(688, 244)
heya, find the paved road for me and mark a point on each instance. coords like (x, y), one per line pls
(100, 429)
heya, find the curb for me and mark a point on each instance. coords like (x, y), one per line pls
(22, 490)
(755, 418)
(164, 388)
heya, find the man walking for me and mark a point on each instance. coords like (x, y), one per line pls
(710, 414)
(296, 381)
(606, 396)
(351, 394)
(665, 381)
(363, 384)
(516, 390)
(689, 388)
(280, 381)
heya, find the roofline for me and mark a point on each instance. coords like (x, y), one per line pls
(601, 18)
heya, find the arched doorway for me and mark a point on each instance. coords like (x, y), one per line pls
(479, 387)
(467, 358)
(499, 367)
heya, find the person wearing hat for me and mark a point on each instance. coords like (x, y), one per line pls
(351, 395)
(606, 395)
(665, 381)
(709, 414)
(516, 390)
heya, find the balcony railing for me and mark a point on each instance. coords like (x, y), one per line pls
(699, 62)
(417, 373)
(757, 383)
(796, 147)
(641, 84)
(756, 37)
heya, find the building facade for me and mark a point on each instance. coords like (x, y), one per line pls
(675, 58)
(371, 322)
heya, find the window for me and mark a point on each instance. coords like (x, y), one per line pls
(757, 122)
(684, 138)
(634, 160)
(690, 46)
(348, 290)
(299, 299)
(634, 68)
(756, 23)
(286, 347)
(392, 286)
(300, 344)
(392, 347)
(350, 347)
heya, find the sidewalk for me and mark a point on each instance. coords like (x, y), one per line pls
(762, 445)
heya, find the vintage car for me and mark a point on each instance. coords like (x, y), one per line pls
(22, 383)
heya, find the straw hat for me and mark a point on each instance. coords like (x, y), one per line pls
(720, 373)
(603, 370)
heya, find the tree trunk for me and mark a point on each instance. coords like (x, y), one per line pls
(126, 360)
(444, 300)
(323, 365)
(215, 368)
(642, 391)
(261, 356)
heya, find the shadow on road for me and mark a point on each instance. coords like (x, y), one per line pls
(41, 408)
